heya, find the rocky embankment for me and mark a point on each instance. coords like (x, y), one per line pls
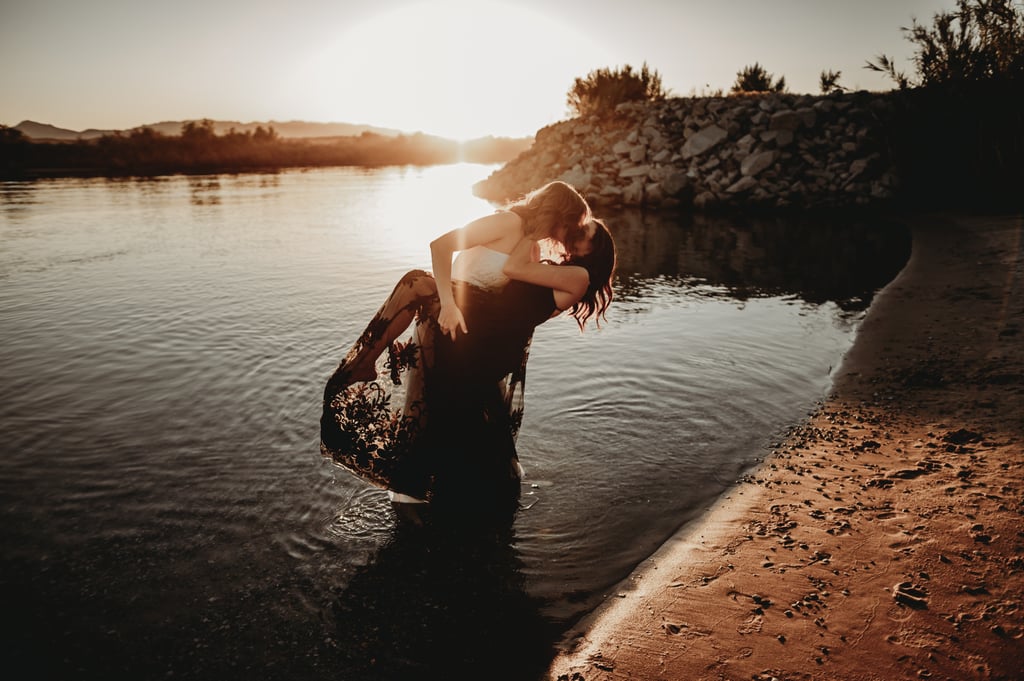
(766, 150)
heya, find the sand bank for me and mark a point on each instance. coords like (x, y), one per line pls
(884, 538)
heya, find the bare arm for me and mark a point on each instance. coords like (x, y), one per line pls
(499, 231)
(569, 282)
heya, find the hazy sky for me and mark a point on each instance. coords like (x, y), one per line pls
(457, 68)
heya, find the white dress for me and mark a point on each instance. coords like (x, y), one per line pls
(481, 266)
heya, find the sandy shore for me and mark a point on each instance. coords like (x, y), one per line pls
(884, 539)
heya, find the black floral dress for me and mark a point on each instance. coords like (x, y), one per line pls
(440, 421)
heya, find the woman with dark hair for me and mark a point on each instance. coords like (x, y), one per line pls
(453, 441)
(594, 251)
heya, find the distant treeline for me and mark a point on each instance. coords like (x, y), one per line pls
(198, 149)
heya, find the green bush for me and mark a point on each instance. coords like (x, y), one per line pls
(604, 89)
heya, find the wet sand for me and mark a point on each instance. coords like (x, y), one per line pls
(884, 538)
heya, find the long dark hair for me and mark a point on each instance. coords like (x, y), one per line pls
(600, 265)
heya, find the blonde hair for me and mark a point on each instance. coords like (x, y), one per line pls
(544, 210)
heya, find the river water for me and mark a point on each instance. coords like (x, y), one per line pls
(166, 510)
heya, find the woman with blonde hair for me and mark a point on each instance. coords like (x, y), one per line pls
(463, 370)
(554, 213)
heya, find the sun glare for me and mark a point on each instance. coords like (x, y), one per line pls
(453, 68)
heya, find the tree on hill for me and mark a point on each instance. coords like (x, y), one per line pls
(268, 134)
(9, 135)
(198, 132)
(604, 89)
(756, 79)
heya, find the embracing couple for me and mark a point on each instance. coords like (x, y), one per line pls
(437, 420)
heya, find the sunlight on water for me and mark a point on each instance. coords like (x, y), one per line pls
(165, 346)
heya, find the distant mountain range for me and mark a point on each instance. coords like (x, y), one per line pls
(294, 129)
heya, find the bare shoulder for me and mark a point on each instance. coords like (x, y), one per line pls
(501, 230)
(508, 220)
(577, 278)
(571, 285)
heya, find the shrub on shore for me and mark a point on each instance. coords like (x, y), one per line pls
(958, 135)
(757, 79)
(981, 41)
(601, 90)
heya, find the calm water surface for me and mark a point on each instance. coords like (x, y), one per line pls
(167, 514)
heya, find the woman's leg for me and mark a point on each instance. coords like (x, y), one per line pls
(413, 295)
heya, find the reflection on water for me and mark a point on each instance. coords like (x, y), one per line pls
(204, 190)
(166, 509)
(815, 259)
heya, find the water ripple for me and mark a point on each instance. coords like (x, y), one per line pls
(363, 517)
(165, 347)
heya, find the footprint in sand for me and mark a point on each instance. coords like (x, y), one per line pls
(908, 543)
(910, 594)
(980, 534)
(752, 625)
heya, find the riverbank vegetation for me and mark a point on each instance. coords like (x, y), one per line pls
(757, 79)
(601, 90)
(957, 138)
(198, 149)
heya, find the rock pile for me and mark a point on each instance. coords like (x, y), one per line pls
(767, 150)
